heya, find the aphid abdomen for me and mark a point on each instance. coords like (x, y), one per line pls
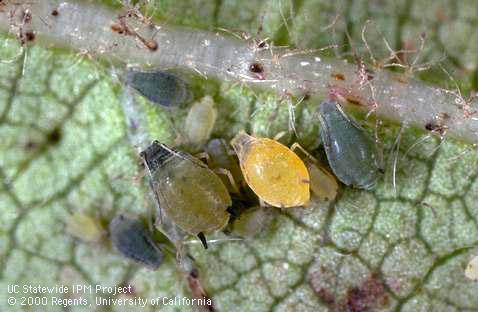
(194, 197)
(133, 240)
(351, 153)
(160, 87)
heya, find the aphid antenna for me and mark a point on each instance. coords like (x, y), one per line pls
(213, 241)
(279, 135)
(396, 150)
(415, 144)
(296, 145)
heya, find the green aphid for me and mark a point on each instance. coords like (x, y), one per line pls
(351, 153)
(190, 193)
(160, 87)
(133, 239)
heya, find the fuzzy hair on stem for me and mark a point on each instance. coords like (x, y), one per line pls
(125, 37)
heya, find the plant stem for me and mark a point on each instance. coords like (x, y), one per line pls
(83, 26)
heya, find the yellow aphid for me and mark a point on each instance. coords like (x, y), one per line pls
(84, 227)
(322, 183)
(471, 271)
(274, 172)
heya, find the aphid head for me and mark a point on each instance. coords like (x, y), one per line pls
(240, 143)
(155, 155)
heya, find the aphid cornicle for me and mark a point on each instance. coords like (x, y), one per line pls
(190, 193)
(132, 239)
(351, 153)
(160, 87)
(275, 173)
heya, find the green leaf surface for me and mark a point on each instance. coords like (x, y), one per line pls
(66, 147)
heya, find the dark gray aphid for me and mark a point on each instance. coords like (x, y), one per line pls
(132, 239)
(160, 87)
(351, 153)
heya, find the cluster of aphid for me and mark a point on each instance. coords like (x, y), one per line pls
(202, 197)
(237, 183)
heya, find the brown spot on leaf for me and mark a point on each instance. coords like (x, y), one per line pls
(55, 12)
(370, 296)
(326, 296)
(338, 76)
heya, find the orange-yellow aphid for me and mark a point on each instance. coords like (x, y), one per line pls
(274, 172)
(85, 227)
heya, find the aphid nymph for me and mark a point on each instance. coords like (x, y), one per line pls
(471, 271)
(351, 153)
(200, 121)
(161, 87)
(132, 238)
(85, 227)
(190, 193)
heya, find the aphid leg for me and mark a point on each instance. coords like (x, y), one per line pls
(296, 145)
(279, 135)
(228, 174)
(291, 109)
(203, 240)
